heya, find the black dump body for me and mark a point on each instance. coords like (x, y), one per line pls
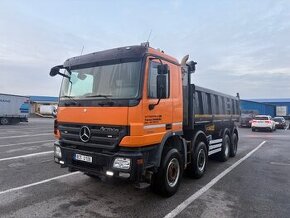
(204, 106)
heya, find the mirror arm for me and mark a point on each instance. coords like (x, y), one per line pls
(151, 106)
(64, 75)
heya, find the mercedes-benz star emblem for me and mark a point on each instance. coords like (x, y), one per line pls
(85, 134)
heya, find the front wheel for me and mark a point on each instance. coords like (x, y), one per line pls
(167, 180)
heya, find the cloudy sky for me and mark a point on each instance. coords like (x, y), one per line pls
(240, 46)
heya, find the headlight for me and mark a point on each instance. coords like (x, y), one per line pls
(57, 152)
(122, 163)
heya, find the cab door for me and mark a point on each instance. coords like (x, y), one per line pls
(157, 121)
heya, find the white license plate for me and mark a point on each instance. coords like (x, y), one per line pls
(84, 158)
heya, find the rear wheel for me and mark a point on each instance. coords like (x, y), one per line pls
(197, 167)
(167, 180)
(4, 121)
(224, 154)
(234, 145)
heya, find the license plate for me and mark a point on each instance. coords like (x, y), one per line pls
(84, 158)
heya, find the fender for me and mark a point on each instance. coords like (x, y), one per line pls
(226, 130)
(197, 134)
(233, 130)
(164, 140)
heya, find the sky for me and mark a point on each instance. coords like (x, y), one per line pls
(240, 46)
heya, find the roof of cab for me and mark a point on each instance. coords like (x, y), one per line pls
(120, 55)
(128, 53)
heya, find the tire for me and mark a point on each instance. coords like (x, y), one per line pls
(271, 130)
(167, 180)
(196, 169)
(224, 154)
(4, 121)
(253, 129)
(234, 145)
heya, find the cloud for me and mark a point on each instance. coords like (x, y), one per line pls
(239, 46)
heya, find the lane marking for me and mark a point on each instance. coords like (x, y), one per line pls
(25, 143)
(38, 183)
(24, 128)
(27, 155)
(197, 194)
(20, 136)
(280, 164)
(26, 132)
(266, 136)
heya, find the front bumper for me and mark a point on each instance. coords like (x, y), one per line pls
(102, 163)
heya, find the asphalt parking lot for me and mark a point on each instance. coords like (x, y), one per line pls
(32, 185)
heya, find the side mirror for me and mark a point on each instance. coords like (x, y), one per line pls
(161, 86)
(55, 70)
(191, 66)
(162, 69)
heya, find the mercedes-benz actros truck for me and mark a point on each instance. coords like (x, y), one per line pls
(135, 113)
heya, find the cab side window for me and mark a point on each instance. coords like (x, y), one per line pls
(152, 81)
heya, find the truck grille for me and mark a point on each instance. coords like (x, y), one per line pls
(101, 136)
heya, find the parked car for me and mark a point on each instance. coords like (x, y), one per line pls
(263, 122)
(247, 117)
(280, 122)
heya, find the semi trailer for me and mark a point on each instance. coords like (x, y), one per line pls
(135, 113)
(13, 109)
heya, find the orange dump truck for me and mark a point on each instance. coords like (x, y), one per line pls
(134, 113)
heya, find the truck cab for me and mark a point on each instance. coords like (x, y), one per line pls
(115, 109)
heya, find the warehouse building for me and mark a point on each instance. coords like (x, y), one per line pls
(272, 107)
(282, 105)
(258, 107)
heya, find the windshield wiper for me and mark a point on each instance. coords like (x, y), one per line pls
(71, 98)
(104, 96)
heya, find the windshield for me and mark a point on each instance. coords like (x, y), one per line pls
(261, 118)
(116, 81)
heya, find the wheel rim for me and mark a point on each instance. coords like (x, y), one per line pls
(201, 160)
(172, 173)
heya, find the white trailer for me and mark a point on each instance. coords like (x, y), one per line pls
(13, 109)
(47, 109)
